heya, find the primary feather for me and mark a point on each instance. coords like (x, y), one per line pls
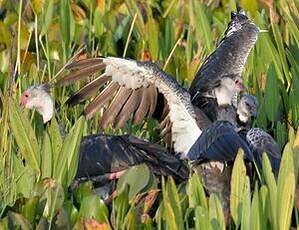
(146, 81)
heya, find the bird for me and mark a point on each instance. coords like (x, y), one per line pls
(131, 89)
(241, 113)
(213, 154)
(38, 97)
(134, 75)
(101, 156)
(222, 140)
(219, 79)
(136, 90)
(131, 92)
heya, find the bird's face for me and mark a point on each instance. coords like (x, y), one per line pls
(228, 88)
(37, 97)
(248, 105)
(29, 98)
(238, 85)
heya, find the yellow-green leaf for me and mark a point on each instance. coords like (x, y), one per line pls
(24, 136)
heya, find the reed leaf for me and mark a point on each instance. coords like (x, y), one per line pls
(238, 188)
(24, 136)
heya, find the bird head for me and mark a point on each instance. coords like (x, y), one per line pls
(239, 20)
(38, 97)
(247, 107)
(229, 87)
(238, 85)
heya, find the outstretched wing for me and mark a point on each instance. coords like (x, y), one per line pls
(261, 142)
(228, 59)
(219, 142)
(101, 154)
(132, 92)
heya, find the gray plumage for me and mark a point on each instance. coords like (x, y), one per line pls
(261, 142)
(147, 87)
(102, 154)
(227, 61)
(221, 140)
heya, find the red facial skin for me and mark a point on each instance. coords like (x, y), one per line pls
(240, 85)
(24, 99)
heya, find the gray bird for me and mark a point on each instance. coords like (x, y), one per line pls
(136, 90)
(214, 152)
(131, 91)
(223, 138)
(240, 113)
(219, 78)
(103, 157)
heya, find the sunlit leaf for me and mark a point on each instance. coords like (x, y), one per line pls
(37, 6)
(216, 213)
(201, 24)
(238, 188)
(69, 155)
(196, 192)
(285, 189)
(25, 136)
(137, 177)
(46, 16)
(272, 188)
(47, 160)
(93, 207)
(67, 25)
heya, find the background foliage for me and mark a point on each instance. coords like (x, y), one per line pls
(38, 37)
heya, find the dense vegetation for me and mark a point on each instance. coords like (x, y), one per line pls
(38, 37)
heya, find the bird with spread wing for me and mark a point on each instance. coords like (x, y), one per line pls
(136, 90)
(219, 78)
(128, 89)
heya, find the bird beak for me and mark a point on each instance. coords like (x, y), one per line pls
(22, 101)
(253, 111)
(242, 87)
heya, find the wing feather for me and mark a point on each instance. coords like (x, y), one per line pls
(136, 75)
(143, 108)
(115, 107)
(261, 142)
(88, 90)
(101, 99)
(80, 74)
(128, 109)
(153, 96)
(219, 142)
(229, 58)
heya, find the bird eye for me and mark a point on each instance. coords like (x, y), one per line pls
(26, 95)
(237, 81)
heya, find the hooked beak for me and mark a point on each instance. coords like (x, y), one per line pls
(22, 101)
(241, 87)
(252, 110)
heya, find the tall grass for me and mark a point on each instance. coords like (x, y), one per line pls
(38, 37)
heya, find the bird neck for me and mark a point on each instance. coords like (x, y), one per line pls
(46, 109)
(242, 117)
(224, 95)
(243, 120)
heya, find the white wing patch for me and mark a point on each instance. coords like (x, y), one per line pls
(125, 72)
(130, 74)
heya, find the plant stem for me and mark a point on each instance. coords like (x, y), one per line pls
(129, 35)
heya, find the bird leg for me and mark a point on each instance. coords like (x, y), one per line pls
(97, 181)
(116, 175)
